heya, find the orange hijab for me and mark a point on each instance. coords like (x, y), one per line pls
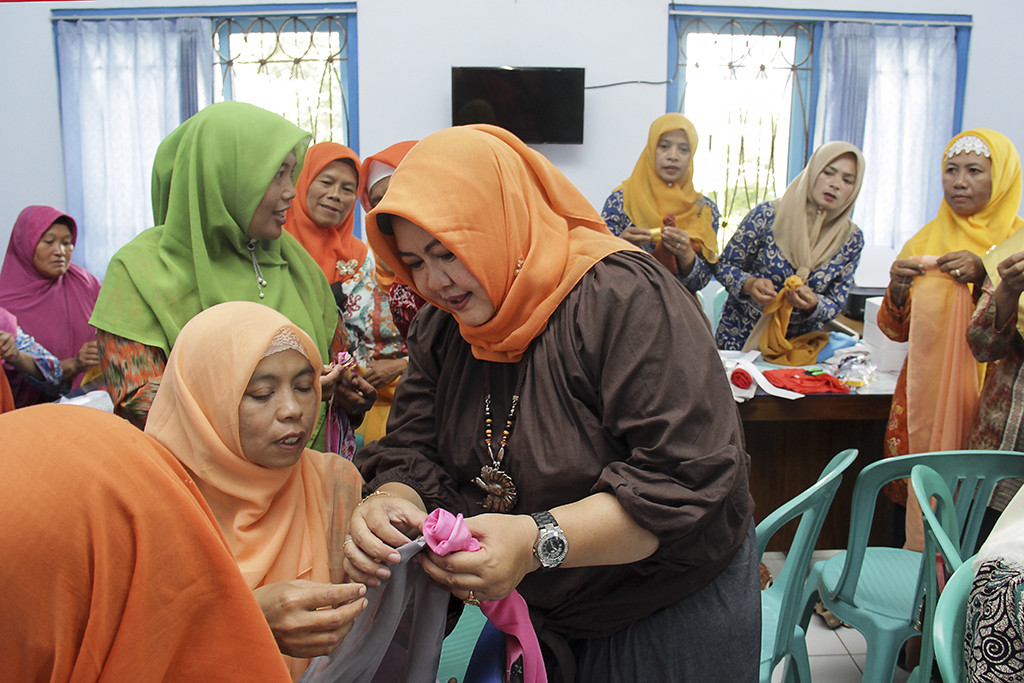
(379, 166)
(114, 568)
(647, 199)
(519, 226)
(327, 246)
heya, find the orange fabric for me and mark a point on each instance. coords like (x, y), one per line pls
(6, 397)
(327, 246)
(943, 379)
(518, 225)
(276, 521)
(647, 199)
(114, 569)
(770, 332)
(390, 156)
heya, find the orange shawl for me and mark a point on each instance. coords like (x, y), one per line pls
(389, 157)
(327, 246)
(114, 569)
(278, 522)
(519, 226)
(771, 332)
(647, 199)
(6, 396)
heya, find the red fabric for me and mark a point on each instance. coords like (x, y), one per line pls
(796, 379)
(741, 378)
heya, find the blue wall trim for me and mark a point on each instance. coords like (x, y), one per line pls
(811, 14)
(203, 11)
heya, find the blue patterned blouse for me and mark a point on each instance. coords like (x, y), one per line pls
(752, 252)
(47, 363)
(700, 275)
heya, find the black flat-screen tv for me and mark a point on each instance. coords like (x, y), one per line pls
(538, 104)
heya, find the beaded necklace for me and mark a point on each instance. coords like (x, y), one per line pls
(494, 481)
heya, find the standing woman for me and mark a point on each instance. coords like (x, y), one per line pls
(321, 219)
(222, 183)
(932, 290)
(600, 475)
(657, 209)
(807, 233)
(51, 297)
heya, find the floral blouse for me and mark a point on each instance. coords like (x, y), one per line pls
(372, 332)
(47, 363)
(753, 252)
(615, 217)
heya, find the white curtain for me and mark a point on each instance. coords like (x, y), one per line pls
(124, 85)
(891, 91)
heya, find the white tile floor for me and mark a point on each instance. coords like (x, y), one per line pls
(836, 656)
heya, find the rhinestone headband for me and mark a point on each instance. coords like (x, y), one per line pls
(284, 339)
(969, 143)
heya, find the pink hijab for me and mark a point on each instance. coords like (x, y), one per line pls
(56, 312)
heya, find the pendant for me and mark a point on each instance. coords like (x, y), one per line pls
(499, 487)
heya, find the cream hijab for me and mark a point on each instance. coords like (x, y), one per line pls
(807, 235)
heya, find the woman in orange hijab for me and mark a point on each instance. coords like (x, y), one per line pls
(236, 406)
(658, 210)
(322, 220)
(539, 394)
(114, 569)
(932, 290)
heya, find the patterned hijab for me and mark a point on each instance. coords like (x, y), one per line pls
(209, 176)
(977, 233)
(53, 310)
(519, 226)
(327, 246)
(647, 199)
(808, 236)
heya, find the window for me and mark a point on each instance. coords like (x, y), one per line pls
(766, 86)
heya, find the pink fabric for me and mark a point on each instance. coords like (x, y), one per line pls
(8, 322)
(56, 312)
(447, 533)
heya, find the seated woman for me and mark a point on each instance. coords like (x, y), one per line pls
(617, 485)
(806, 233)
(373, 183)
(219, 237)
(932, 289)
(25, 359)
(994, 637)
(52, 298)
(657, 209)
(237, 405)
(321, 219)
(120, 571)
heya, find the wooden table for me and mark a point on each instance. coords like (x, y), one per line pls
(790, 442)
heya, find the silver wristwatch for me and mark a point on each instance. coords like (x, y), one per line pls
(552, 545)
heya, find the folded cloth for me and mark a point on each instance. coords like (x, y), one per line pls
(447, 533)
(800, 381)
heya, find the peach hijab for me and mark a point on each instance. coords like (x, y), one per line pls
(519, 226)
(327, 246)
(276, 521)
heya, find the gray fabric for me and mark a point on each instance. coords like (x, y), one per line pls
(398, 636)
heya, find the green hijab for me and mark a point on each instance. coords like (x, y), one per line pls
(209, 176)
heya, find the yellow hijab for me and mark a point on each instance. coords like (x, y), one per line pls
(647, 199)
(517, 224)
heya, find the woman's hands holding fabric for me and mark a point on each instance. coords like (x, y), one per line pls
(677, 242)
(1011, 285)
(383, 372)
(760, 289)
(355, 397)
(494, 571)
(901, 276)
(803, 297)
(637, 236)
(963, 266)
(309, 619)
(380, 524)
(87, 356)
(8, 348)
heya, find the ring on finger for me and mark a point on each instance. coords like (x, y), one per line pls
(956, 272)
(471, 600)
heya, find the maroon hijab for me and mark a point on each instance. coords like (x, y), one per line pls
(54, 311)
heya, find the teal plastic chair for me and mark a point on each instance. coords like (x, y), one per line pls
(717, 303)
(458, 646)
(781, 635)
(951, 622)
(878, 590)
(941, 538)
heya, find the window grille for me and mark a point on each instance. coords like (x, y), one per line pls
(297, 66)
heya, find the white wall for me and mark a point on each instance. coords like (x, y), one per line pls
(406, 49)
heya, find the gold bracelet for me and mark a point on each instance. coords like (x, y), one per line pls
(378, 492)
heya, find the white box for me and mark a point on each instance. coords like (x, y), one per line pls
(887, 355)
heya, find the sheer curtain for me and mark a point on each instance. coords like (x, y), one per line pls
(124, 85)
(891, 91)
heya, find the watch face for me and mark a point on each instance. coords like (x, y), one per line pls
(553, 549)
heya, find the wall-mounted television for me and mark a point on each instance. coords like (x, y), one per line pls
(538, 104)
